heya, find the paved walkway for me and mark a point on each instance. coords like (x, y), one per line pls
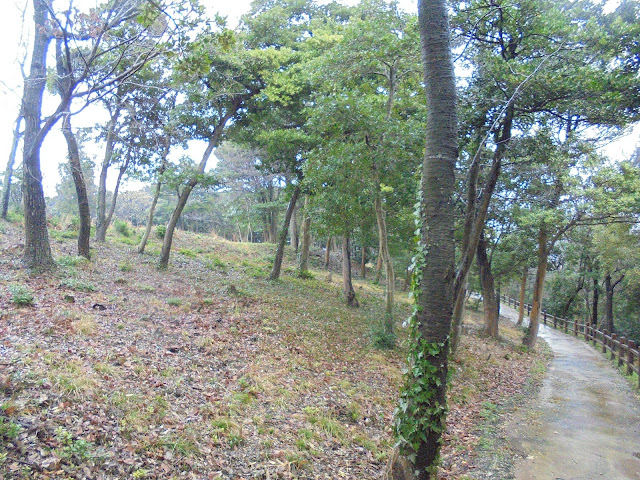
(584, 424)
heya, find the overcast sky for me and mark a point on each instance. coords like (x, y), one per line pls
(54, 149)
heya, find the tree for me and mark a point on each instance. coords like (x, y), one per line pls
(8, 173)
(421, 414)
(370, 79)
(37, 251)
(220, 76)
(530, 58)
(17, 133)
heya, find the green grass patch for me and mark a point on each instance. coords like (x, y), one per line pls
(21, 295)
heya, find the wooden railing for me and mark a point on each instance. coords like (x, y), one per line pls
(625, 352)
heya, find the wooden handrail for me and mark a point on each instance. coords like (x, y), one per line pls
(626, 352)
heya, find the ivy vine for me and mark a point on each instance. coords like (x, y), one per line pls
(418, 411)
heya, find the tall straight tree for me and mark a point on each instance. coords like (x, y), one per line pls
(421, 414)
(37, 250)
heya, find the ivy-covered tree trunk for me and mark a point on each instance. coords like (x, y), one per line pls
(523, 287)
(303, 264)
(491, 311)
(421, 414)
(37, 250)
(277, 263)
(347, 285)
(538, 289)
(84, 234)
(8, 173)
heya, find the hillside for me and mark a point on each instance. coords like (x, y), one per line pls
(116, 369)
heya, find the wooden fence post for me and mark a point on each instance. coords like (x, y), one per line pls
(544, 317)
(575, 328)
(613, 346)
(621, 355)
(631, 347)
(594, 335)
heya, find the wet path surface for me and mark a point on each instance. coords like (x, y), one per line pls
(584, 424)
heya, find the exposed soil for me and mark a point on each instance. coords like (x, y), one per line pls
(585, 422)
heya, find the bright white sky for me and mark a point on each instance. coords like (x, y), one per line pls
(54, 150)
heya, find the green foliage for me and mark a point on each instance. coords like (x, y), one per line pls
(125, 267)
(21, 295)
(122, 227)
(9, 430)
(174, 302)
(419, 411)
(161, 230)
(75, 450)
(382, 333)
(78, 285)
(71, 261)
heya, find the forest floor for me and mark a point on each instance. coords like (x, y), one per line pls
(207, 370)
(584, 423)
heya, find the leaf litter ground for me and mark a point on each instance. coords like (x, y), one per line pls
(208, 370)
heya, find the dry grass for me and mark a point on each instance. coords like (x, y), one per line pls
(238, 377)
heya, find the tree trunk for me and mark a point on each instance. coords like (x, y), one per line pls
(186, 191)
(156, 195)
(609, 288)
(327, 254)
(295, 234)
(594, 308)
(101, 211)
(491, 313)
(378, 264)
(114, 199)
(523, 287)
(386, 257)
(347, 285)
(428, 362)
(37, 250)
(277, 263)
(84, 235)
(303, 265)
(538, 289)
(457, 319)
(8, 173)
(564, 313)
(152, 209)
(475, 217)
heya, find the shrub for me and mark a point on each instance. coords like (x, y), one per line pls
(161, 231)
(174, 302)
(122, 228)
(78, 285)
(21, 295)
(382, 334)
